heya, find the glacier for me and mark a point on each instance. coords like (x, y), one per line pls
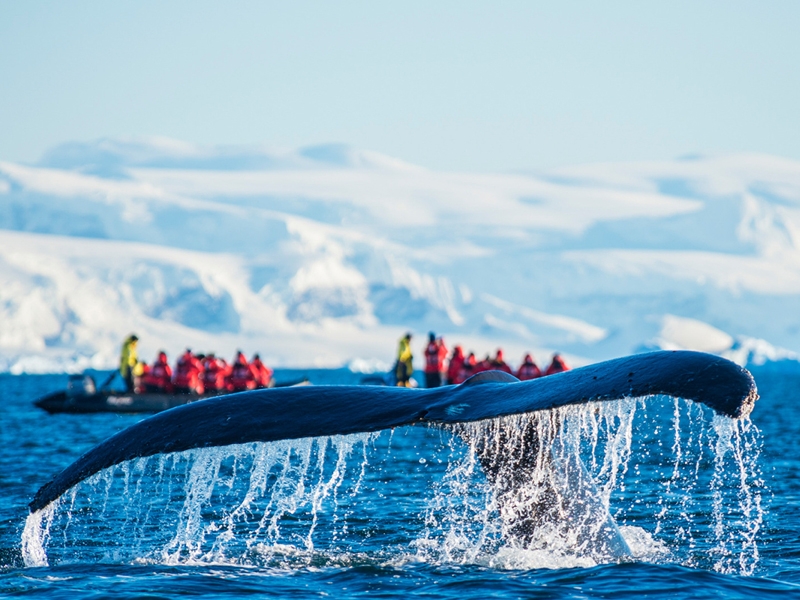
(325, 256)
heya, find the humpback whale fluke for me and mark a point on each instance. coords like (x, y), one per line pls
(291, 413)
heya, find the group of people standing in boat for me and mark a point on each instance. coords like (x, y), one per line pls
(210, 374)
(193, 373)
(458, 367)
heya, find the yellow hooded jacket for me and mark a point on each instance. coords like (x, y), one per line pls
(128, 358)
(404, 354)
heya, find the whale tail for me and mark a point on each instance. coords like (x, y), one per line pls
(520, 432)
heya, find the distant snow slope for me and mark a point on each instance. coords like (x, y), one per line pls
(326, 255)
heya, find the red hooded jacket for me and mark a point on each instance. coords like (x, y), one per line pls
(456, 363)
(435, 355)
(263, 372)
(214, 373)
(557, 366)
(528, 369)
(160, 375)
(188, 373)
(243, 375)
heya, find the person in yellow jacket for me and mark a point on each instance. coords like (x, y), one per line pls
(405, 362)
(128, 361)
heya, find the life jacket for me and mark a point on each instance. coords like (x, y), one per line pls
(140, 372)
(160, 375)
(456, 362)
(498, 364)
(214, 375)
(483, 365)
(556, 366)
(467, 369)
(501, 366)
(161, 372)
(243, 376)
(187, 373)
(435, 354)
(528, 369)
(263, 372)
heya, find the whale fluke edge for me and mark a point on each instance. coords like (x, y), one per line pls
(310, 411)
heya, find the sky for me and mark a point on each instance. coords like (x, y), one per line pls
(452, 85)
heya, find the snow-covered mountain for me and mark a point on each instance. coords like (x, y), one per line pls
(326, 255)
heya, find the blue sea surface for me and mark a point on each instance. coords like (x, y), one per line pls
(710, 509)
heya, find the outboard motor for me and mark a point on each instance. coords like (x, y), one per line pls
(81, 385)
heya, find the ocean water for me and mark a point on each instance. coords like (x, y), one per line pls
(707, 506)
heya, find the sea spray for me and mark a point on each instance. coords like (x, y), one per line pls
(36, 535)
(546, 500)
(460, 520)
(736, 451)
(424, 494)
(628, 448)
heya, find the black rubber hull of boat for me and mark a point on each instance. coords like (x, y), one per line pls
(114, 402)
(297, 412)
(122, 402)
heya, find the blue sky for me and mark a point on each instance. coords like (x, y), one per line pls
(448, 85)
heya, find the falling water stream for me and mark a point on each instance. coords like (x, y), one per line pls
(676, 483)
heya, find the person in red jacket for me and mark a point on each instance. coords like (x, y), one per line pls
(455, 364)
(215, 372)
(467, 369)
(140, 372)
(479, 366)
(498, 364)
(528, 369)
(435, 355)
(159, 378)
(263, 372)
(243, 376)
(188, 373)
(557, 365)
